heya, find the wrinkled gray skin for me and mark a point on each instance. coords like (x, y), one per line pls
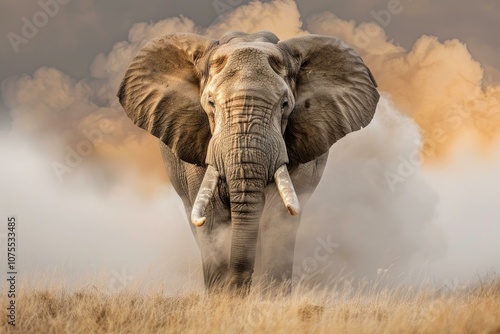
(247, 104)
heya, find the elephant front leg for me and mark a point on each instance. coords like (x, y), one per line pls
(214, 246)
(212, 237)
(214, 240)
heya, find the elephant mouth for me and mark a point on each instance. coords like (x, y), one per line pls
(211, 179)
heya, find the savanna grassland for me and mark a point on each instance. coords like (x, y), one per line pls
(344, 309)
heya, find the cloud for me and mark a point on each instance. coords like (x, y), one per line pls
(436, 83)
(110, 68)
(48, 100)
(281, 17)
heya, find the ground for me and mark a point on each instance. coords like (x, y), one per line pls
(346, 308)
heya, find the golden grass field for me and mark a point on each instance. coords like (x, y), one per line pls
(344, 309)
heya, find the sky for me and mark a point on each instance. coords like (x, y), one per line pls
(422, 178)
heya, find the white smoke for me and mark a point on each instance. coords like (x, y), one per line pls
(381, 212)
(78, 232)
(468, 211)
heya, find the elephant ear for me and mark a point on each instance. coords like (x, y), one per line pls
(161, 94)
(335, 94)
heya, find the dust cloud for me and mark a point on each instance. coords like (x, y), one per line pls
(379, 212)
(71, 234)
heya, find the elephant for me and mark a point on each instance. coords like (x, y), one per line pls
(245, 124)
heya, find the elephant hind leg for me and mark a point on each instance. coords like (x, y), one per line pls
(277, 240)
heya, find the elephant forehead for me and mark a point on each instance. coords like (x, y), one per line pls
(247, 62)
(244, 78)
(248, 54)
(247, 67)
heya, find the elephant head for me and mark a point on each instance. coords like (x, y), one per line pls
(248, 107)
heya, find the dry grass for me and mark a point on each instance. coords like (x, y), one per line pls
(345, 309)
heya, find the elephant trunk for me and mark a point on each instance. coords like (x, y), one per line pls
(247, 179)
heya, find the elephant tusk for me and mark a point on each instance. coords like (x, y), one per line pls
(286, 190)
(204, 196)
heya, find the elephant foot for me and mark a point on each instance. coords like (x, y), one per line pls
(216, 278)
(221, 281)
(240, 283)
(276, 285)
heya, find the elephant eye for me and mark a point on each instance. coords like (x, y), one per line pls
(284, 104)
(211, 102)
